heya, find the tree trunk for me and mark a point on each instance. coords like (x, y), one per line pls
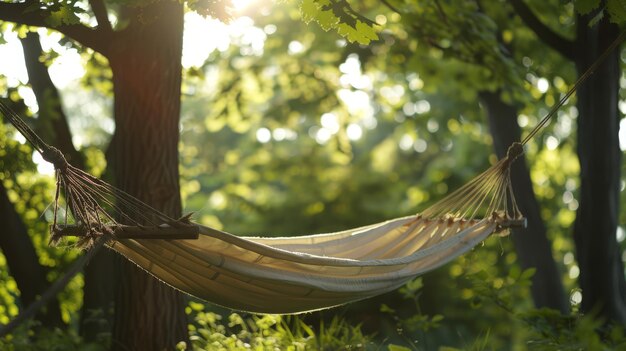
(23, 262)
(52, 124)
(531, 243)
(601, 269)
(145, 60)
(53, 127)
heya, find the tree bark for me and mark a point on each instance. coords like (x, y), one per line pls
(52, 124)
(146, 65)
(23, 262)
(599, 257)
(145, 60)
(100, 277)
(53, 127)
(601, 269)
(532, 245)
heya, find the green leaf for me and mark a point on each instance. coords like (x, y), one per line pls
(528, 273)
(63, 16)
(617, 10)
(515, 272)
(586, 6)
(386, 309)
(394, 347)
(309, 10)
(307, 329)
(362, 34)
(211, 8)
(414, 285)
(338, 15)
(597, 18)
(327, 20)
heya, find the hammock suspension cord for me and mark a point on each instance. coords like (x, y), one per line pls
(96, 208)
(576, 85)
(84, 193)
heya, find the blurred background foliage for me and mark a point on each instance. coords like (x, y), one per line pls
(289, 129)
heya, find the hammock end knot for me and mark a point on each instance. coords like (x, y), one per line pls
(55, 156)
(515, 150)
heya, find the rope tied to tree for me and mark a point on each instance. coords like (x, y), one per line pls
(98, 207)
(515, 150)
(56, 157)
(575, 87)
(94, 205)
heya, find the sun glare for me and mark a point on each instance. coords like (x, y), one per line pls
(43, 166)
(622, 134)
(12, 60)
(199, 41)
(241, 5)
(67, 67)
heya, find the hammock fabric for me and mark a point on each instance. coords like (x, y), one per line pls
(292, 275)
(280, 275)
(305, 273)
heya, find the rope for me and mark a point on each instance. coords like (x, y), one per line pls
(84, 193)
(577, 84)
(49, 153)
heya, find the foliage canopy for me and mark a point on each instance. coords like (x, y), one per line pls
(385, 122)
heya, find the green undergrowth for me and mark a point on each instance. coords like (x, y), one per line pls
(526, 327)
(211, 331)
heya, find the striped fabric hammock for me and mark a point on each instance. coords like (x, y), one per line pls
(292, 275)
(305, 273)
(281, 275)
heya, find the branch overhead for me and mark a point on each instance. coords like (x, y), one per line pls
(27, 14)
(557, 42)
(100, 12)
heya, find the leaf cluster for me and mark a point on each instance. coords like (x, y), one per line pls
(616, 9)
(340, 16)
(211, 331)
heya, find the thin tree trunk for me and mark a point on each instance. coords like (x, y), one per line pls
(52, 126)
(23, 262)
(601, 269)
(531, 244)
(147, 76)
(52, 123)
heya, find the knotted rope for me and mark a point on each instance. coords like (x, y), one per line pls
(84, 195)
(96, 206)
(575, 87)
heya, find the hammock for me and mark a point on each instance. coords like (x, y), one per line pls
(306, 273)
(281, 275)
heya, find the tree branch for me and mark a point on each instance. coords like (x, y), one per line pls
(22, 13)
(563, 45)
(52, 122)
(391, 7)
(23, 262)
(100, 11)
(442, 13)
(54, 289)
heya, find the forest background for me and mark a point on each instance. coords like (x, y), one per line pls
(314, 116)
